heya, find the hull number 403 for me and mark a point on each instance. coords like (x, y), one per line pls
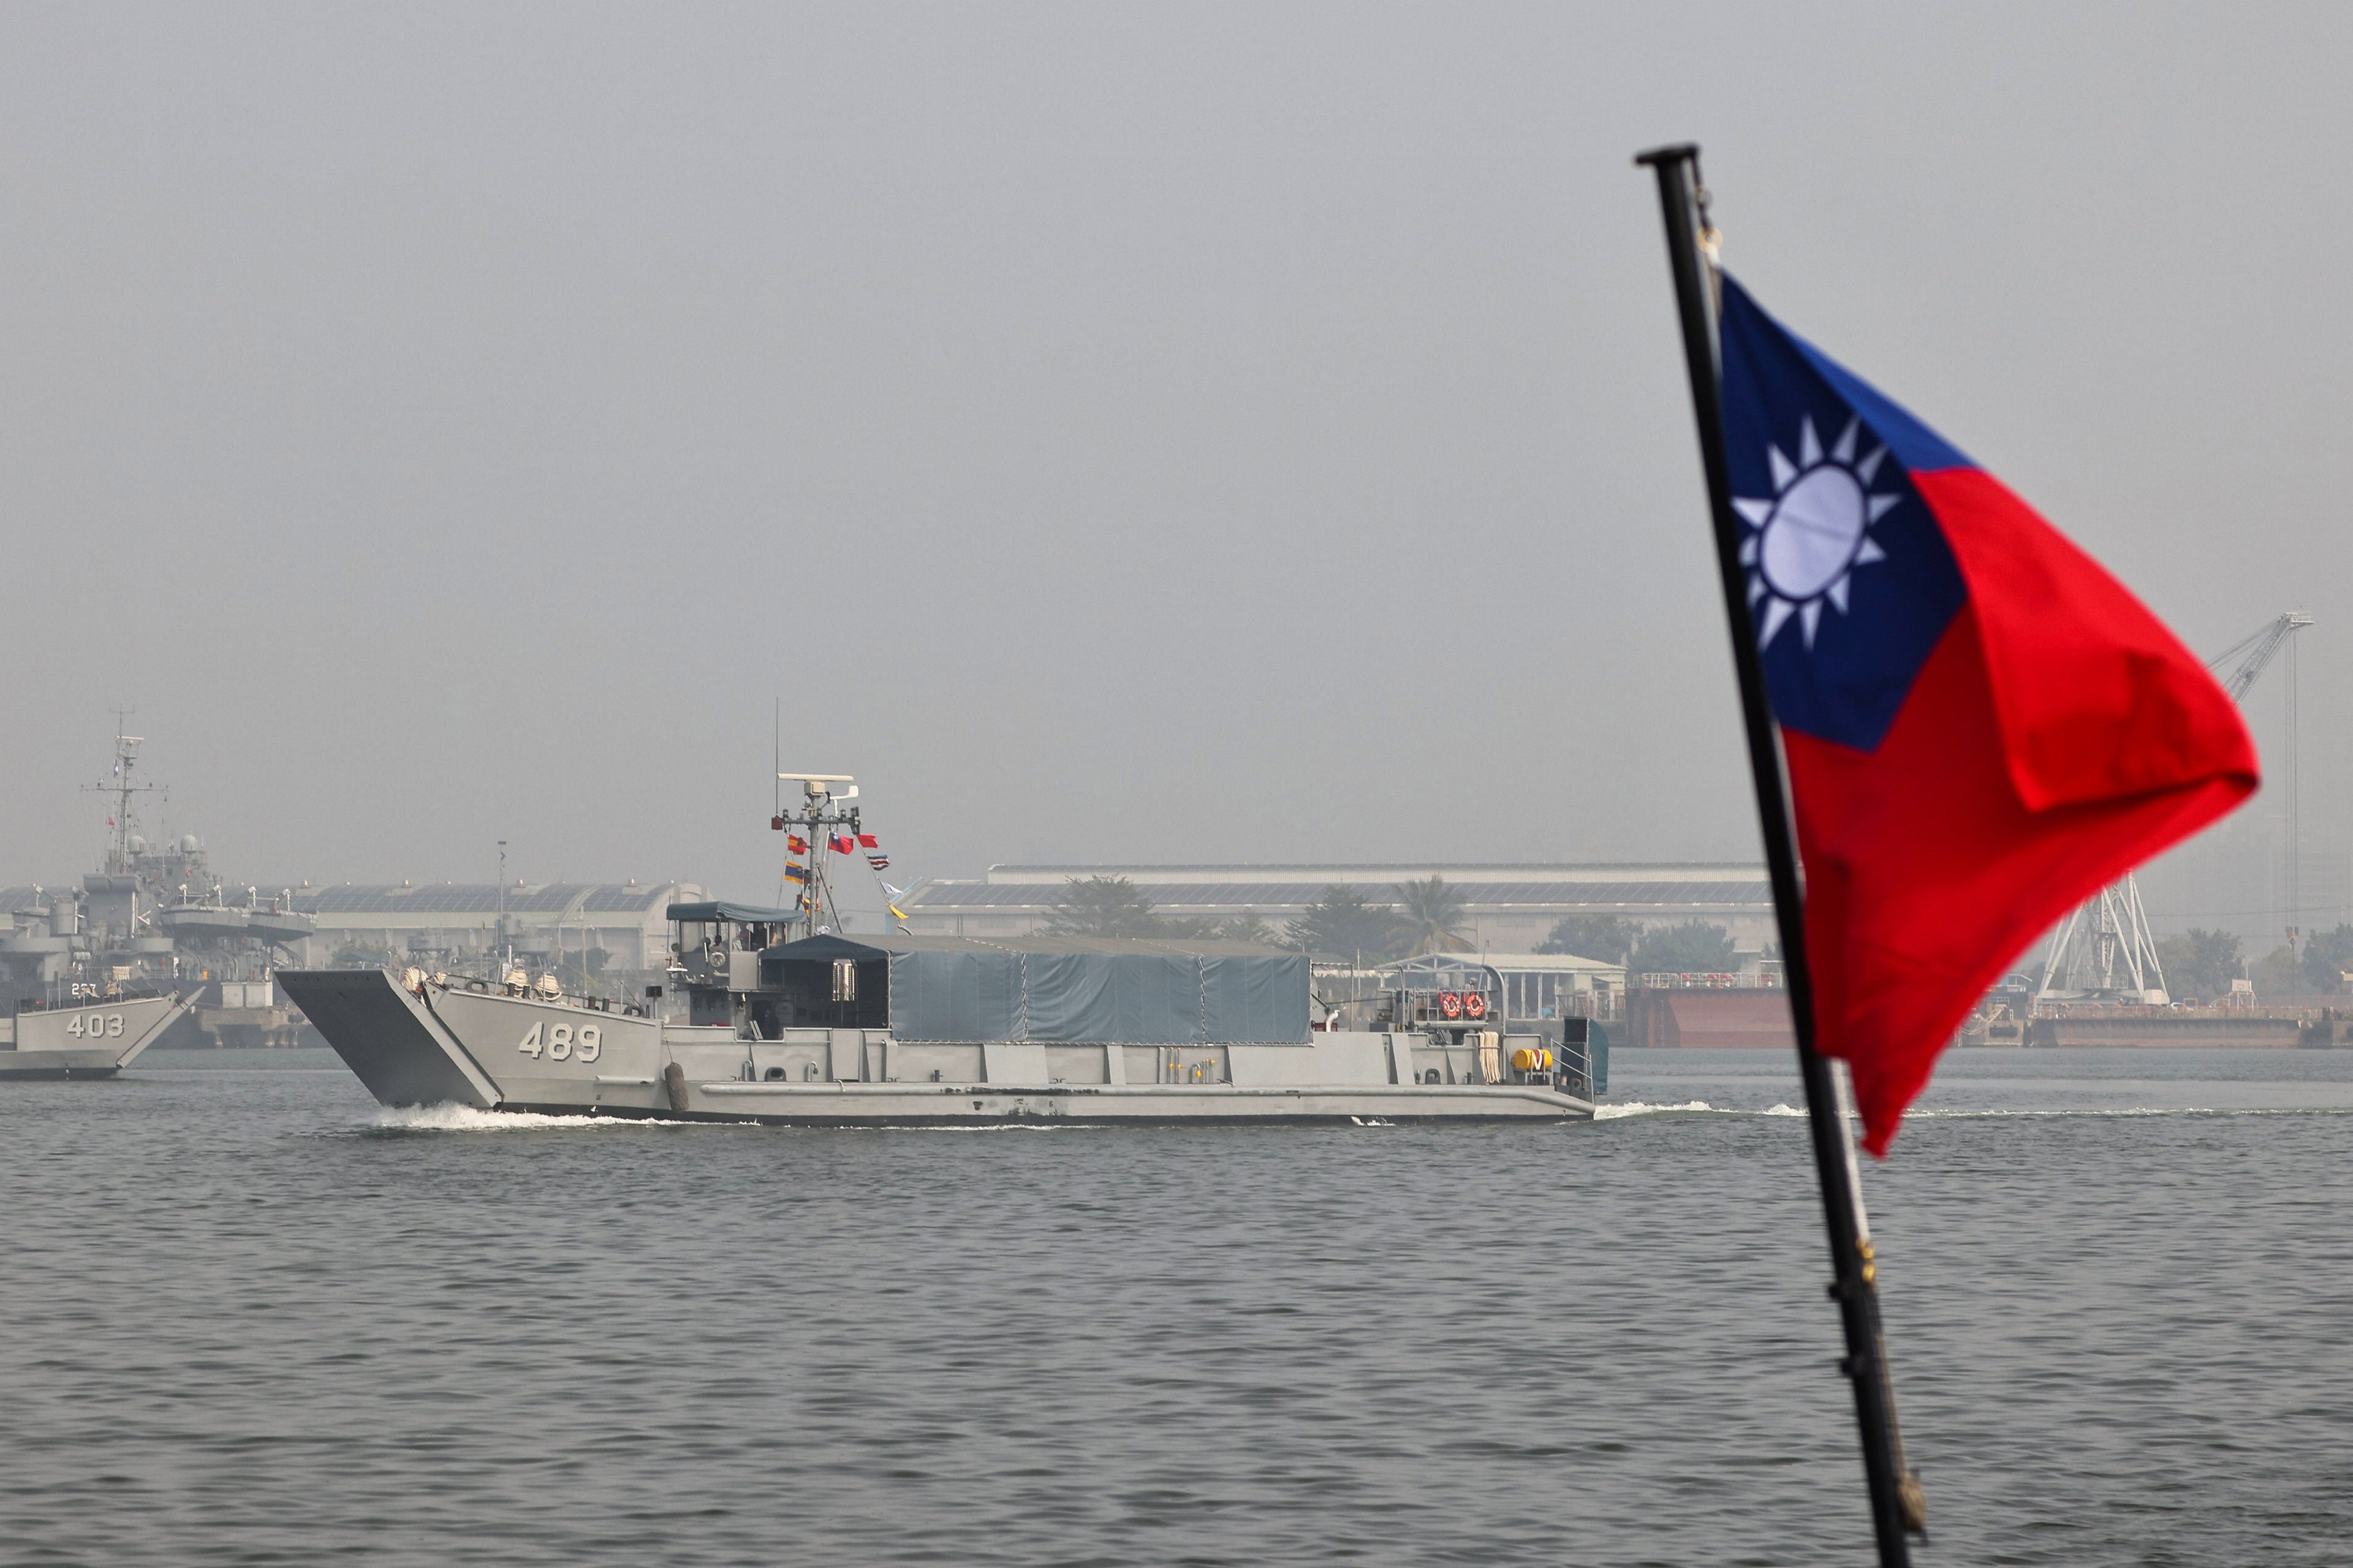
(561, 1042)
(96, 1027)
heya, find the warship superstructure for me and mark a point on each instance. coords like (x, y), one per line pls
(777, 1015)
(95, 974)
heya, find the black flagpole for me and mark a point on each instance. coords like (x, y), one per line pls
(1897, 1508)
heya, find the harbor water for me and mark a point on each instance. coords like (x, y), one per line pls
(253, 1318)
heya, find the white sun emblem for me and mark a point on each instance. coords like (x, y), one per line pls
(1813, 533)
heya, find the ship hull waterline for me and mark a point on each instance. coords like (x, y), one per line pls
(49, 1043)
(493, 1052)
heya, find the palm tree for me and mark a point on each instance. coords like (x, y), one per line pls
(1433, 918)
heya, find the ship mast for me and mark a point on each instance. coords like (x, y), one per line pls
(118, 785)
(823, 809)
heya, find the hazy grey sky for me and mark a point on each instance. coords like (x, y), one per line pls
(1185, 433)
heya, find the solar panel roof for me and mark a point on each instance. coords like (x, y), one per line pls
(1265, 895)
(627, 897)
(477, 899)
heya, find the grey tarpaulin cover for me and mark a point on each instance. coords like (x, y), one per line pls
(719, 910)
(1090, 990)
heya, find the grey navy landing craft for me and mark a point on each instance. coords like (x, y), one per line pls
(772, 1015)
(93, 1038)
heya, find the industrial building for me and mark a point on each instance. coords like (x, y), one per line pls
(601, 927)
(1506, 908)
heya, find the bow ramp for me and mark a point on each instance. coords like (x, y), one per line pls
(390, 1039)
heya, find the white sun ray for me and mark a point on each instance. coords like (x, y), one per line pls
(1806, 542)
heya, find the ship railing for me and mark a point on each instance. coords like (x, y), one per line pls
(111, 993)
(411, 978)
(1763, 979)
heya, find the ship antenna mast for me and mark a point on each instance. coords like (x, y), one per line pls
(118, 785)
(824, 805)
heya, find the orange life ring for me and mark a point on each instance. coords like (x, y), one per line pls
(1450, 1004)
(1475, 1004)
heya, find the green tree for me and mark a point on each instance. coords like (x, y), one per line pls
(2326, 955)
(1247, 926)
(1104, 906)
(1432, 916)
(1342, 924)
(1694, 947)
(2198, 963)
(2275, 974)
(1608, 938)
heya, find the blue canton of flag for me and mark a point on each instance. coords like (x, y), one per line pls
(1850, 581)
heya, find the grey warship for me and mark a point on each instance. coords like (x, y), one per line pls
(91, 974)
(149, 946)
(771, 1016)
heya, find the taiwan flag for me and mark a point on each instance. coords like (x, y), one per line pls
(1982, 727)
(840, 843)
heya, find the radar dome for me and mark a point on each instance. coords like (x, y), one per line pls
(191, 844)
(135, 844)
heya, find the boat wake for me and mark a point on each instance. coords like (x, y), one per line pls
(1688, 1108)
(1701, 1107)
(1643, 1107)
(447, 1118)
(2137, 1111)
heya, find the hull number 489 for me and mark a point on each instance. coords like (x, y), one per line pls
(560, 1042)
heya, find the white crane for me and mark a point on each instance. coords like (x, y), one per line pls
(2105, 941)
(2255, 650)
